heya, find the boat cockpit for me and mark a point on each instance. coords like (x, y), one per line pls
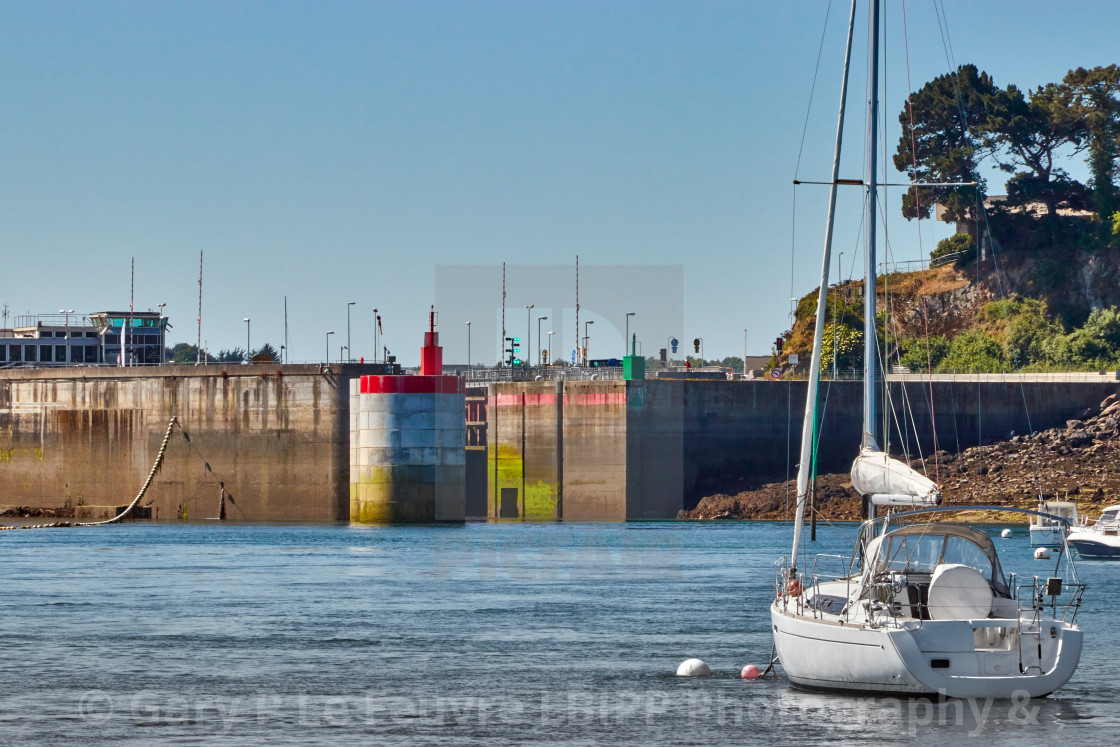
(934, 572)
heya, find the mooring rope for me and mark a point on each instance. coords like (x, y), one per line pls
(135, 501)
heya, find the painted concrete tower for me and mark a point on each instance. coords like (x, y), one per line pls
(408, 443)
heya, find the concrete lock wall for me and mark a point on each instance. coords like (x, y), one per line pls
(585, 450)
(755, 427)
(525, 471)
(407, 449)
(642, 449)
(87, 437)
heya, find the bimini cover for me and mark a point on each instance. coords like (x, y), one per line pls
(876, 473)
(958, 592)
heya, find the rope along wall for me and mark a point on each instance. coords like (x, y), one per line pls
(139, 496)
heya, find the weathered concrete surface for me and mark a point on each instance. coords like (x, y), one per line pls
(645, 449)
(594, 449)
(585, 450)
(276, 435)
(655, 449)
(524, 455)
(754, 427)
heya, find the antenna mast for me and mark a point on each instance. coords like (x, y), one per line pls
(200, 306)
(502, 347)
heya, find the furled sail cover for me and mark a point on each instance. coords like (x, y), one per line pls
(875, 472)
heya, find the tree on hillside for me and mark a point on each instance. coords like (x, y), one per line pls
(1031, 131)
(949, 138)
(237, 355)
(1094, 97)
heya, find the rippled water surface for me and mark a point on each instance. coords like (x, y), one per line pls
(495, 633)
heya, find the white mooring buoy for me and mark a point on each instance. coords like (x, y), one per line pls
(693, 668)
(1006, 534)
(1042, 553)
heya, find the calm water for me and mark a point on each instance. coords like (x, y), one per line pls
(504, 634)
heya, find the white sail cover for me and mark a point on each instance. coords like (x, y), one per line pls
(875, 472)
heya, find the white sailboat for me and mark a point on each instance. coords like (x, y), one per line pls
(920, 608)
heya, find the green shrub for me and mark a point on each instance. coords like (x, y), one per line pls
(956, 244)
(974, 351)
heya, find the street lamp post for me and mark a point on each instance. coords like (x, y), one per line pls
(626, 341)
(539, 320)
(348, 351)
(529, 330)
(162, 335)
(329, 347)
(468, 346)
(586, 341)
(248, 346)
(550, 334)
(68, 312)
(744, 354)
(376, 325)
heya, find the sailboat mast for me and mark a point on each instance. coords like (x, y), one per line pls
(870, 439)
(809, 424)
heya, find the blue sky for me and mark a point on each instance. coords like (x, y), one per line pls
(342, 151)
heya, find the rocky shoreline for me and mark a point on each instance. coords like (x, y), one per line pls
(1079, 462)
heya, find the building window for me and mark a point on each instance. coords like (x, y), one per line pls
(16, 351)
(29, 353)
(60, 353)
(3, 353)
(46, 353)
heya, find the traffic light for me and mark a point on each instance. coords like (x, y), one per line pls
(778, 345)
(512, 350)
(696, 345)
(664, 355)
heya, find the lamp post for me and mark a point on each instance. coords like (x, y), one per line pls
(539, 320)
(529, 330)
(329, 346)
(340, 356)
(348, 351)
(586, 341)
(282, 349)
(68, 312)
(550, 334)
(248, 347)
(626, 340)
(468, 346)
(744, 354)
(376, 325)
(162, 336)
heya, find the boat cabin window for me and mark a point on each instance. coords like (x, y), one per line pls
(960, 551)
(914, 553)
(1108, 517)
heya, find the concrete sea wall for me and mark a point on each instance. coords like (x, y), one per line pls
(86, 437)
(278, 437)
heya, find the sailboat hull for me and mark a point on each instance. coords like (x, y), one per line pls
(933, 658)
